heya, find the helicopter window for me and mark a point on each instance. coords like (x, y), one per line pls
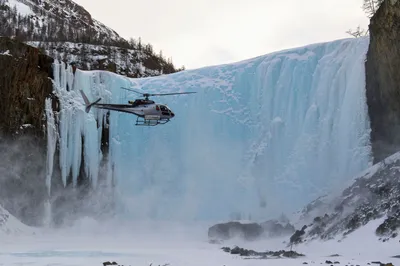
(157, 108)
(163, 108)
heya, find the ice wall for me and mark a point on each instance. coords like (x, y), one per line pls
(260, 137)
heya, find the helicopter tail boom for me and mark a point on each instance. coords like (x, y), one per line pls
(87, 103)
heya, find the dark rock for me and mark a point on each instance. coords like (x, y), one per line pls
(225, 231)
(389, 226)
(296, 238)
(262, 255)
(226, 249)
(383, 81)
(382, 264)
(24, 87)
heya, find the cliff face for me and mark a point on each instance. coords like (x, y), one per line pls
(25, 83)
(383, 79)
(24, 86)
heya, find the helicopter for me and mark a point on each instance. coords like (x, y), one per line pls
(148, 112)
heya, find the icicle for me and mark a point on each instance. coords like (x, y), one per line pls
(51, 143)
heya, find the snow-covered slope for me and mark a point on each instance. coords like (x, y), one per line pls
(374, 194)
(45, 18)
(66, 31)
(260, 137)
(9, 225)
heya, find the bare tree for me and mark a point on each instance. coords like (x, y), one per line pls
(371, 6)
(357, 32)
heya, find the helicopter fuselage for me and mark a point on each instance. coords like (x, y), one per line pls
(152, 111)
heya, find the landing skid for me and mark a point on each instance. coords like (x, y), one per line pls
(140, 121)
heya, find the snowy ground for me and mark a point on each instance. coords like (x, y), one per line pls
(177, 246)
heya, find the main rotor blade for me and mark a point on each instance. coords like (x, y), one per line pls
(157, 94)
(173, 93)
(133, 90)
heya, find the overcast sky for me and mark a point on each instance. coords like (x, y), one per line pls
(198, 33)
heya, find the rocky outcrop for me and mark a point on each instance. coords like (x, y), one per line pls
(262, 255)
(375, 194)
(383, 79)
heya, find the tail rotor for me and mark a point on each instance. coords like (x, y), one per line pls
(87, 103)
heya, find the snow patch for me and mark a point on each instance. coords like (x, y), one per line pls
(6, 53)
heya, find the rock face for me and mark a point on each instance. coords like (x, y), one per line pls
(383, 80)
(25, 82)
(24, 86)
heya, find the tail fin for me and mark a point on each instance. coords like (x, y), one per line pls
(87, 103)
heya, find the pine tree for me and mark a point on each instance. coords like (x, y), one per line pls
(132, 43)
(139, 46)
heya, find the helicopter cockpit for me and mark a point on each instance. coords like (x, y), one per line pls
(165, 110)
(138, 102)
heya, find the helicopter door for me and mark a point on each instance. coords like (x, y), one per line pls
(158, 109)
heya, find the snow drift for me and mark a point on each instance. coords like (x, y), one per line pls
(260, 137)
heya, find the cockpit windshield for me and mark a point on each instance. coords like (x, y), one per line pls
(164, 108)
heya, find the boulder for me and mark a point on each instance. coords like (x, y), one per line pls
(226, 231)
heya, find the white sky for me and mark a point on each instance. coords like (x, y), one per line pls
(198, 33)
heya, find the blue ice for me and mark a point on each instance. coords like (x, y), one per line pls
(260, 137)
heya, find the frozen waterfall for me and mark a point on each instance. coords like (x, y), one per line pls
(260, 137)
